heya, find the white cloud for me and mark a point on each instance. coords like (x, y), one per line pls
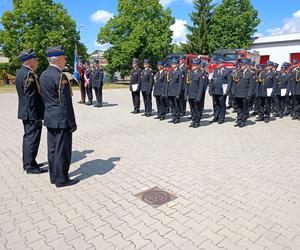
(101, 16)
(102, 47)
(179, 31)
(290, 25)
(258, 35)
(189, 1)
(165, 3)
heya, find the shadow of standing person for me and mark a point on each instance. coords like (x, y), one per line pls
(95, 167)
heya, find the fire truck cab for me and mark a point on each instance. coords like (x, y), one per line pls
(231, 57)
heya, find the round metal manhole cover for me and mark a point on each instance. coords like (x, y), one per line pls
(156, 197)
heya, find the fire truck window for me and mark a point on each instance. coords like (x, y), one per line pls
(226, 57)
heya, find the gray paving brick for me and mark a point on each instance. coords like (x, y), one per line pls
(235, 188)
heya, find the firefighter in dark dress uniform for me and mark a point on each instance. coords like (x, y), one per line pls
(219, 89)
(195, 91)
(264, 91)
(146, 87)
(296, 91)
(59, 117)
(175, 82)
(243, 88)
(166, 70)
(159, 91)
(88, 83)
(97, 82)
(203, 68)
(184, 70)
(135, 85)
(30, 110)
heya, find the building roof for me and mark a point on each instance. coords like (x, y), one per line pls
(277, 38)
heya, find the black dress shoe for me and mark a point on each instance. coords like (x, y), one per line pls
(172, 121)
(220, 122)
(237, 124)
(36, 171)
(162, 118)
(190, 117)
(41, 164)
(196, 125)
(267, 120)
(281, 116)
(88, 104)
(259, 119)
(192, 125)
(242, 124)
(176, 121)
(213, 120)
(67, 183)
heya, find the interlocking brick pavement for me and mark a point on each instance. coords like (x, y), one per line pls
(236, 188)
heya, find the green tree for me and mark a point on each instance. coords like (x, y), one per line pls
(178, 48)
(38, 24)
(233, 24)
(141, 29)
(199, 39)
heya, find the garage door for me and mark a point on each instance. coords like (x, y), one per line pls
(264, 59)
(294, 56)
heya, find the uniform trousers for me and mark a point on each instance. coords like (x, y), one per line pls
(195, 110)
(264, 107)
(136, 100)
(175, 107)
(161, 106)
(242, 108)
(59, 154)
(31, 142)
(147, 98)
(219, 107)
(98, 94)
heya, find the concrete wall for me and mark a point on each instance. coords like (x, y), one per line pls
(279, 52)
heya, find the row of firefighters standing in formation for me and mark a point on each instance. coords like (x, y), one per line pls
(248, 86)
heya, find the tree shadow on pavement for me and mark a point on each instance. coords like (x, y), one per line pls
(78, 156)
(95, 167)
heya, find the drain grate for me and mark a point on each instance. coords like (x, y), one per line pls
(156, 196)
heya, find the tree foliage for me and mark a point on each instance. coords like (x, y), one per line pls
(199, 38)
(38, 24)
(233, 24)
(141, 29)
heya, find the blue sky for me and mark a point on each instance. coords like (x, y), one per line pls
(277, 17)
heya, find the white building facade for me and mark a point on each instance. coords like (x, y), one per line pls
(279, 48)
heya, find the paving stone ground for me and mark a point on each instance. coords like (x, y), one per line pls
(236, 188)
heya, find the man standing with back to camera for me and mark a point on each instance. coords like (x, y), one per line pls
(59, 117)
(30, 111)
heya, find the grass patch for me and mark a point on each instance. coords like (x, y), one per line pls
(12, 88)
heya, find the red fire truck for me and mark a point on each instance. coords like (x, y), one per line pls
(231, 57)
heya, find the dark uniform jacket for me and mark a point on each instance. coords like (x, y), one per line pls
(283, 82)
(220, 77)
(244, 84)
(88, 73)
(266, 80)
(31, 106)
(160, 83)
(295, 83)
(196, 84)
(184, 70)
(175, 82)
(57, 97)
(135, 78)
(97, 77)
(146, 80)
